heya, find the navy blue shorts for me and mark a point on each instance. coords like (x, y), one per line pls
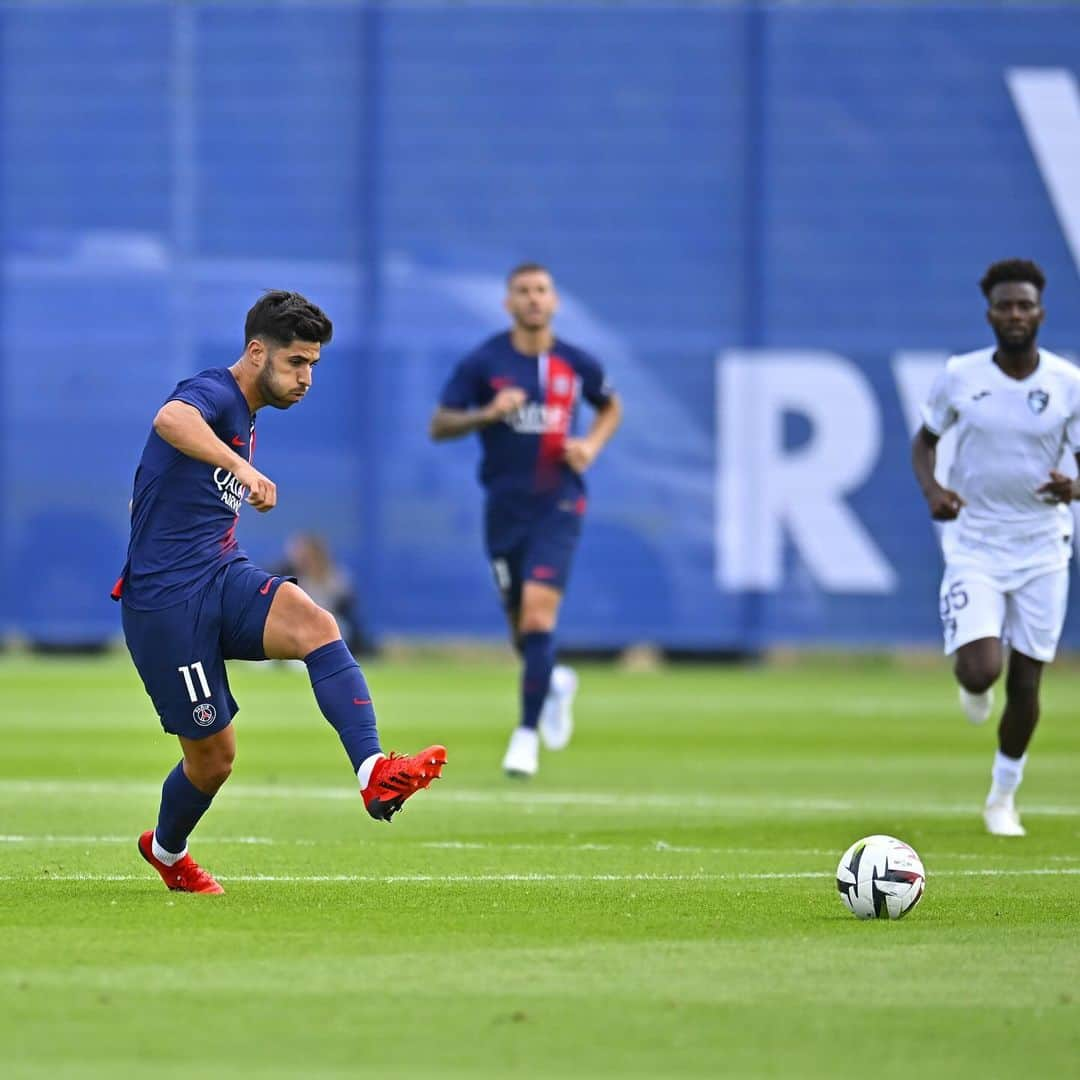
(534, 544)
(180, 651)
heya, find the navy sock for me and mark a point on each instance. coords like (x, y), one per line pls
(344, 698)
(182, 804)
(538, 649)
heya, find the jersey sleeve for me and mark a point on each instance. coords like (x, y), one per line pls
(596, 387)
(463, 388)
(209, 396)
(938, 414)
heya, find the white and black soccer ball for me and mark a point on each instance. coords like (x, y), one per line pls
(880, 877)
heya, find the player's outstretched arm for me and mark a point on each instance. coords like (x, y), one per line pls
(945, 505)
(183, 428)
(581, 453)
(453, 423)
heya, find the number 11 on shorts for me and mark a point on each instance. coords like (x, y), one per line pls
(186, 671)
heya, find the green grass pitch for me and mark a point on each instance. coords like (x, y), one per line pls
(659, 902)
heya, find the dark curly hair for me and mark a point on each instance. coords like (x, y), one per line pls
(1012, 270)
(285, 317)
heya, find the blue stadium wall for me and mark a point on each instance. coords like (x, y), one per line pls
(769, 222)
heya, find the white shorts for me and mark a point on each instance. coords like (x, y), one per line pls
(1027, 616)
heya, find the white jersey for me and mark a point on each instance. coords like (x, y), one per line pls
(1009, 434)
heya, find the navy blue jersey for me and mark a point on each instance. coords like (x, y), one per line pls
(183, 511)
(523, 454)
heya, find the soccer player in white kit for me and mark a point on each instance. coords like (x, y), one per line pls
(1016, 411)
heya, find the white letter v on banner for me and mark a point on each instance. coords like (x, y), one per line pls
(1049, 107)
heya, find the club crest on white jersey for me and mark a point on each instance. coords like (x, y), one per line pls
(1037, 401)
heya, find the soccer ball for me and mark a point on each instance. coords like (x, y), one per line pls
(880, 877)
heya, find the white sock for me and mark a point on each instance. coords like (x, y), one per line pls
(1007, 774)
(363, 774)
(163, 856)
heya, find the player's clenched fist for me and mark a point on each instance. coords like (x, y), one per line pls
(1058, 489)
(507, 401)
(945, 505)
(579, 454)
(262, 491)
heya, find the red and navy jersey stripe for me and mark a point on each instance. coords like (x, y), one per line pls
(523, 455)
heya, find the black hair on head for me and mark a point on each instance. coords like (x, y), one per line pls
(285, 317)
(1012, 270)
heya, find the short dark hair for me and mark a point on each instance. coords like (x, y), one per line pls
(527, 268)
(285, 317)
(1012, 270)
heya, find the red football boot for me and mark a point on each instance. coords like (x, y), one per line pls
(185, 875)
(395, 778)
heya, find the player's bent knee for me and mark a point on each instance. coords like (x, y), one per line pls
(977, 678)
(208, 762)
(536, 626)
(297, 625)
(319, 628)
(978, 665)
(220, 773)
(209, 773)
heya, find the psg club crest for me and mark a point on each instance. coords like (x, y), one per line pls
(204, 715)
(1038, 400)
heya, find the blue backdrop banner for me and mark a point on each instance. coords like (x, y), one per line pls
(768, 222)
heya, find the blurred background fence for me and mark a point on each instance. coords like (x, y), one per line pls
(768, 221)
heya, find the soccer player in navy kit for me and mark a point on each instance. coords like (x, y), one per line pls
(520, 391)
(191, 599)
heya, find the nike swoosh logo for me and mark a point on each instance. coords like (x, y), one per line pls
(361, 701)
(237, 441)
(266, 588)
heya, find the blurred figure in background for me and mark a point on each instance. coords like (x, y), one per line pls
(308, 559)
(520, 391)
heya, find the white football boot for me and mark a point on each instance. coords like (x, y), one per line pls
(523, 754)
(1002, 819)
(977, 707)
(557, 715)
